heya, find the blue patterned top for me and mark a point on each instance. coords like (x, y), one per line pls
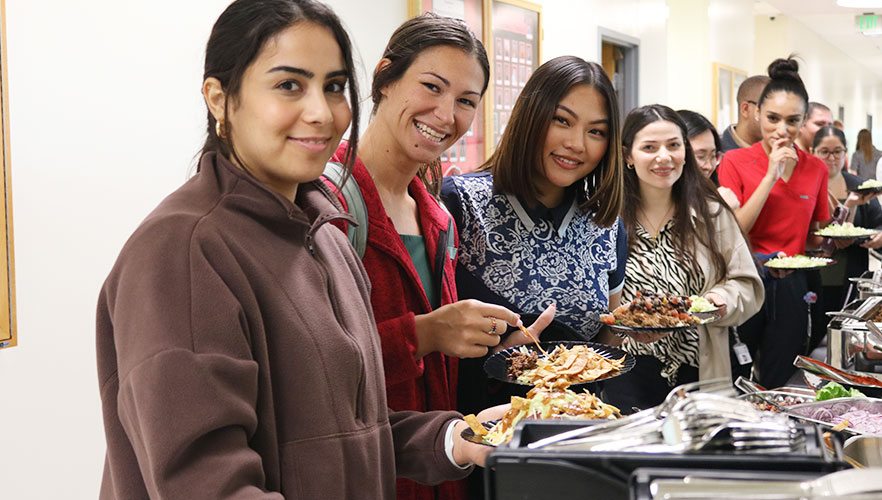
(525, 263)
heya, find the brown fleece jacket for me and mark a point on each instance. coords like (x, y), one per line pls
(238, 356)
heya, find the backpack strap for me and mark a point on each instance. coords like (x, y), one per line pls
(351, 192)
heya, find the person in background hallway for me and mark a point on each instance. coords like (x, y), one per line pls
(863, 211)
(237, 353)
(818, 116)
(783, 195)
(845, 168)
(682, 239)
(865, 157)
(426, 90)
(706, 145)
(746, 131)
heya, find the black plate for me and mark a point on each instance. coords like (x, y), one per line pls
(863, 237)
(469, 435)
(877, 189)
(706, 317)
(496, 365)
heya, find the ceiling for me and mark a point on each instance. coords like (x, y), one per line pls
(833, 23)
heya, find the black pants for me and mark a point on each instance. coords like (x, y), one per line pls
(643, 387)
(779, 331)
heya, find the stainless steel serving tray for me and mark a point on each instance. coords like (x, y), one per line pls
(854, 336)
(866, 310)
(835, 409)
(869, 284)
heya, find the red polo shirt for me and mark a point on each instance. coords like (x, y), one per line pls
(783, 223)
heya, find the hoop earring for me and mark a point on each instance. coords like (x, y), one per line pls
(629, 166)
(219, 128)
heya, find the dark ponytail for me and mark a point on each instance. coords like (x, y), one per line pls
(784, 74)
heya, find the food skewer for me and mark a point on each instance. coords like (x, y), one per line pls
(524, 329)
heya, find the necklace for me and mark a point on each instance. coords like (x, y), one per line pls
(657, 227)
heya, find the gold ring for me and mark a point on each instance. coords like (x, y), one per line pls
(492, 326)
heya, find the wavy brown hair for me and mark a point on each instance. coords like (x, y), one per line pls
(693, 218)
(518, 158)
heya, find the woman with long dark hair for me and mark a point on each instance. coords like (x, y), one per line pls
(237, 353)
(783, 195)
(682, 239)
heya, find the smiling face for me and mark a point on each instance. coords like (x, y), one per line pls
(705, 152)
(433, 103)
(291, 110)
(831, 150)
(658, 155)
(576, 141)
(781, 116)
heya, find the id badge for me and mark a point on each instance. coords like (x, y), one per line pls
(742, 353)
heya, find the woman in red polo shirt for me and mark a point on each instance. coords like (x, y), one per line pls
(782, 191)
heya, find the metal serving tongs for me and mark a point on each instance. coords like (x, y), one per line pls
(839, 375)
(751, 387)
(844, 314)
(642, 419)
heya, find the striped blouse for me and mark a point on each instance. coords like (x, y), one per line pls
(651, 265)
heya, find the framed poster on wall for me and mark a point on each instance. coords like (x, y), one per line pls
(513, 37)
(8, 333)
(726, 81)
(468, 153)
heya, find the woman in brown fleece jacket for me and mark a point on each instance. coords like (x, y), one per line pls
(237, 353)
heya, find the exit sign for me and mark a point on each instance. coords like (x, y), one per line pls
(868, 22)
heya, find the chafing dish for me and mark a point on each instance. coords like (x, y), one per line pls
(690, 430)
(851, 343)
(834, 411)
(517, 471)
(869, 284)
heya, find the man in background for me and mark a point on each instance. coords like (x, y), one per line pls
(818, 116)
(747, 131)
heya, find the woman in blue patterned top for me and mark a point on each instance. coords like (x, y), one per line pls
(539, 227)
(682, 239)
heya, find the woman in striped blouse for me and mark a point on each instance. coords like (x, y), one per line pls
(682, 239)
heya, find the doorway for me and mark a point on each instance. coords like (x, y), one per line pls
(619, 58)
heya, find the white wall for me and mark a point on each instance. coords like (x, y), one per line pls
(831, 76)
(731, 34)
(689, 83)
(572, 28)
(106, 117)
